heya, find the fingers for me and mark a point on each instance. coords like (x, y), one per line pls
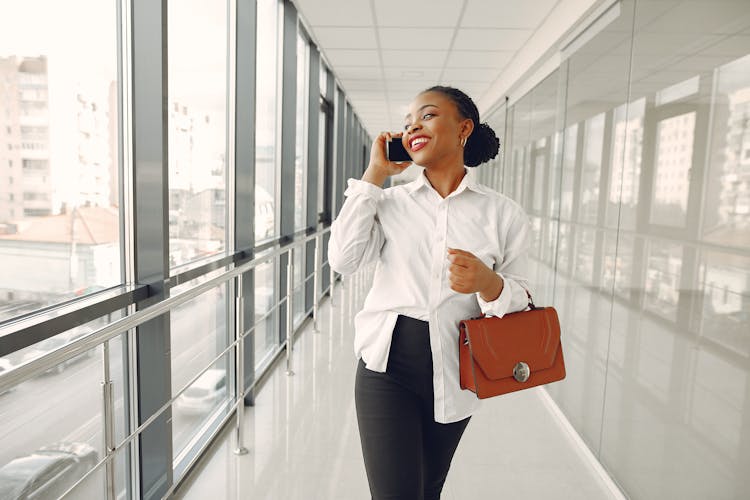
(460, 284)
(460, 260)
(379, 145)
(457, 251)
(387, 136)
(456, 270)
(464, 271)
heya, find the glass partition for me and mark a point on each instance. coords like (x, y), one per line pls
(647, 184)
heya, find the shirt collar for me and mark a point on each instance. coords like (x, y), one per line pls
(468, 182)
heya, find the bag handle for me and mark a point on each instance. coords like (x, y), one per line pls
(531, 301)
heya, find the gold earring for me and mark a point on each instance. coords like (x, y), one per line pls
(463, 142)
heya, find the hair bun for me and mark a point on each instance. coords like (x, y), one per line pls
(482, 146)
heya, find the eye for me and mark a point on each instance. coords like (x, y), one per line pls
(427, 116)
(406, 126)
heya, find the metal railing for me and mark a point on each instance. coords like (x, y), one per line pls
(102, 336)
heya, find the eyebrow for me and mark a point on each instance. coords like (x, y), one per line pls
(421, 108)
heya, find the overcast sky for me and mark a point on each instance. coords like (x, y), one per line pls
(79, 37)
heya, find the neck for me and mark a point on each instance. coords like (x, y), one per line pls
(445, 178)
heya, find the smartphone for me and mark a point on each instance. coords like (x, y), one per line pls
(395, 151)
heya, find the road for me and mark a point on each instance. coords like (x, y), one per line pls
(67, 406)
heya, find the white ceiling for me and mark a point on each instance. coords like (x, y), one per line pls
(385, 51)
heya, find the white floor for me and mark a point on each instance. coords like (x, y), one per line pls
(303, 441)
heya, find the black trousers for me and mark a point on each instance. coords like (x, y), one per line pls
(407, 454)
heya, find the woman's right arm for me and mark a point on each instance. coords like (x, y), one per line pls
(356, 235)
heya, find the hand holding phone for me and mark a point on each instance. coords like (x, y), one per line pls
(385, 161)
(395, 150)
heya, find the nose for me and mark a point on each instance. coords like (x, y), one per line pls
(413, 127)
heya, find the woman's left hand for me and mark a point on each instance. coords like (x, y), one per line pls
(468, 274)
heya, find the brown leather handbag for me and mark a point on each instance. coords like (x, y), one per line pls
(515, 352)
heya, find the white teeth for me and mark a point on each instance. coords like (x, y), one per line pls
(418, 140)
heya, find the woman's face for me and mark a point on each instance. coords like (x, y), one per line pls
(433, 130)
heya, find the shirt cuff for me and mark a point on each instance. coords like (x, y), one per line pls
(500, 305)
(356, 186)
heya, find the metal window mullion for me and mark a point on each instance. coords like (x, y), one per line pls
(287, 144)
(313, 166)
(127, 237)
(151, 237)
(340, 137)
(350, 144)
(244, 167)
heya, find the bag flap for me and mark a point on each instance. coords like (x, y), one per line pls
(498, 344)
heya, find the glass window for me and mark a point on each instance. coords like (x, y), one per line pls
(299, 285)
(323, 79)
(59, 218)
(266, 339)
(536, 237)
(724, 276)
(724, 283)
(564, 247)
(727, 214)
(197, 129)
(553, 186)
(266, 119)
(713, 412)
(73, 388)
(627, 152)
(568, 171)
(300, 172)
(591, 169)
(609, 261)
(662, 286)
(300, 158)
(198, 334)
(521, 149)
(550, 245)
(584, 259)
(674, 159)
(540, 171)
(322, 155)
(520, 176)
(654, 353)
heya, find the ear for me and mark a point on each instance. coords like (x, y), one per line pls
(466, 127)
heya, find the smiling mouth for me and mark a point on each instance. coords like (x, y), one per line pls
(418, 143)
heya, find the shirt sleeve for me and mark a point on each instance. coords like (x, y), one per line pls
(356, 234)
(513, 270)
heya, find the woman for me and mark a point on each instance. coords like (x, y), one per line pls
(447, 248)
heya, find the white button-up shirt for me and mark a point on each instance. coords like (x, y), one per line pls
(407, 230)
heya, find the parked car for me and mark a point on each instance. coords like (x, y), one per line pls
(46, 473)
(205, 393)
(5, 366)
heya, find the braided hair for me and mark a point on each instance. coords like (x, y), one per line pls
(482, 145)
